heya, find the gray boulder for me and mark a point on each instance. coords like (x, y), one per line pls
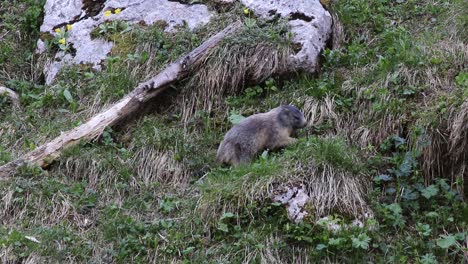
(84, 19)
(310, 24)
(309, 21)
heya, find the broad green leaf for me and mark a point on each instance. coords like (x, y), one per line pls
(406, 167)
(460, 236)
(260, 246)
(409, 194)
(462, 79)
(430, 191)
(227, 215)
(423, 229)
(432, 215)
(429, 258)
(446, 241)
(223, 227)
(394, 208)
(68, 96)
(236, 119)
(383, 177)
(335, 241)
(399, 141)
(188, 250)
(362, 241)
(320, 246)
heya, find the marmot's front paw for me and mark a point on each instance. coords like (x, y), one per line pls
(292, 140)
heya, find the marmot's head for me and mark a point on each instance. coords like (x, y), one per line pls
(290, 116)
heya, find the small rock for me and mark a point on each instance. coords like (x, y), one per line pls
(294, 198)
(40, 46)
(357, 223)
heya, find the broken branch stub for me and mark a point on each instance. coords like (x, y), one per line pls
(11, 94)
(93, 128)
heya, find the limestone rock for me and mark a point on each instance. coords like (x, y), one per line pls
(310, 24)
(295, 198)
(86, 15)
(309, 21)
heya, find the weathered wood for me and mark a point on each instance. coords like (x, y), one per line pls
(93, 128)
(12, 95)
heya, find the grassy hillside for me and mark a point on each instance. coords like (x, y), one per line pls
(387, 137)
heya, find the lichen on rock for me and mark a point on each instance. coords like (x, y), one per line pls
(84, 19)
(309, 22)
(295, 198)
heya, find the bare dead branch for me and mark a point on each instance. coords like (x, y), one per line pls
(93, 128)
(11, 94)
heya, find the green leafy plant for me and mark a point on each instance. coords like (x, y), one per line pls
(235, 118)
(361, 241)
(446, 241)
(168, 204)
(60, 38)
(113, 27)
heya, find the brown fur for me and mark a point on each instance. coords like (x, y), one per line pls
(271, 130)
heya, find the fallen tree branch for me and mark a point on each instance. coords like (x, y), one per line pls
(12, 95)
(4, 34)
(93, 128)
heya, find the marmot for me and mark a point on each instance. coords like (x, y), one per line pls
(258, 132)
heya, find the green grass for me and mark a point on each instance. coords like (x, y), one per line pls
(385, 106)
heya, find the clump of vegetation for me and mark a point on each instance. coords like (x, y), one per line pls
(382, 157)
(260, 50)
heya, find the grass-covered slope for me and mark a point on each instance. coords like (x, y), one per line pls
(387, 138)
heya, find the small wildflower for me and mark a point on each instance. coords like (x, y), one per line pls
(69, 27)
(62, 41)
(107, 13)
(117, 11)
(246, 11)
(58, 30)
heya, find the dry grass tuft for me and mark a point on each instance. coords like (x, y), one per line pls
(148, 165)
(447, 131)
(227, 69)
(338, 34)
(448, 152)
(317, 112)
(459, 132)
(34, 258)
(233, 195)
(81, 168)
(271, 253)
(154, 166)
(328, 169)
(16, 207)
(7, 205)
(5, 255)
(333, 190)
